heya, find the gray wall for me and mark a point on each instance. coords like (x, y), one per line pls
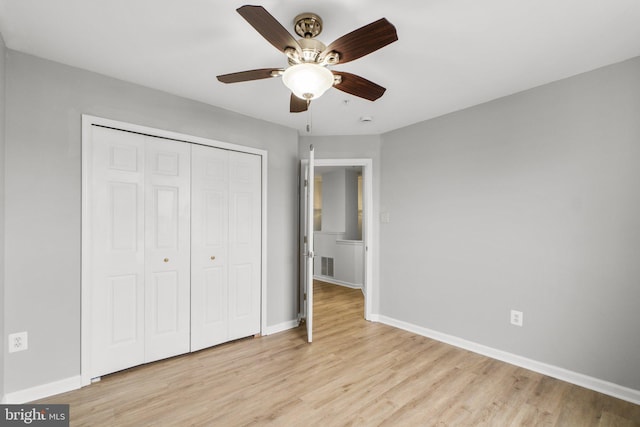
(530, 202)
(351, 204)
(42, 280)
(353, 147)
(3, 52)
(333, 201)
(339, 189)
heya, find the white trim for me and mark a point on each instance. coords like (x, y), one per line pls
(85, 258)
(572, 377)
(263, 279)
(335, 281)
(349, 242)
(42, 391)
(281, 327)
(376, 318)
(87, 122)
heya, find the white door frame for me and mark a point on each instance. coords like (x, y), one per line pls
(367, 220)
(87, 122)
(309, 248)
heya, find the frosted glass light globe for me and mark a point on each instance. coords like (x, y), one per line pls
(307, 81)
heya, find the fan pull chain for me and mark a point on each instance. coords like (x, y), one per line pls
(309, 118)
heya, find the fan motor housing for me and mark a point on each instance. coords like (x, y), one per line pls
(311, 48)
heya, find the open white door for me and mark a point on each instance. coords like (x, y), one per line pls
(308, 247)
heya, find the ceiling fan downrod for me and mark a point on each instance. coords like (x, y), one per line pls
(308, 25)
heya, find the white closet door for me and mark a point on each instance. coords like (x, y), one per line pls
(175, 252)
(167, 249)
(117, 251)
(244, 244)
(225, 246)
(209, 241)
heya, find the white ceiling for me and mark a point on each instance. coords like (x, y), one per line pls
(451, 54)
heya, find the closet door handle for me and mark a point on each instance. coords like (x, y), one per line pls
(166, 260)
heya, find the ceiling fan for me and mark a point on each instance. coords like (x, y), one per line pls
(307, 75)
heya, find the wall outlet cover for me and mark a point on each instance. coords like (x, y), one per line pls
(18, 342)
(516, 317)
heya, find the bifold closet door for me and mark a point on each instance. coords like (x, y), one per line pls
(167, 248)
(117, 250)
(209, 242)
(139, 219)
(245, 218)
(225, 246)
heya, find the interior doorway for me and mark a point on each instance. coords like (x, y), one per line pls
(337, 225)
(363, 168)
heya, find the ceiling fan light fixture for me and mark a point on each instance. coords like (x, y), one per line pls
(307, 81)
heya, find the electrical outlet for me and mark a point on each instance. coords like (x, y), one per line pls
(18, 342)
(516, 317)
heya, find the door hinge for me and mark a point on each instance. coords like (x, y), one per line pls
(305, 240)
(306, 182)
(305, 296)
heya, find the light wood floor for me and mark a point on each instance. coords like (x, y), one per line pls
(355, 373)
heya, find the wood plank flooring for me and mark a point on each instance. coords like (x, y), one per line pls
(355, 373)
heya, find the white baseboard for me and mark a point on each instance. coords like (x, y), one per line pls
(576, 378)
(282, 327)
(335, 281)
(42, 391)
(374, 317)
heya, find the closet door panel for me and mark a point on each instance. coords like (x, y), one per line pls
(215, 297)
(245, 218)
(122, 302)
(165, 291)
(209, 242)
(117, 250)
(167, 254)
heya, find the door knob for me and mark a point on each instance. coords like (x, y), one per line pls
(212, 257)
(166, 260)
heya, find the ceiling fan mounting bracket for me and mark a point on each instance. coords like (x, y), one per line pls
(308, 25)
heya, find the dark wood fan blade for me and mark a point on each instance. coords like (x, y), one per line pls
(245, 76)
(359, 86)
(363, 41)
(268, 27)
(298, 105)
